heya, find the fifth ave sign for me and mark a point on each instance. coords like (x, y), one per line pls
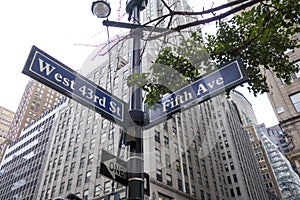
(224, 78)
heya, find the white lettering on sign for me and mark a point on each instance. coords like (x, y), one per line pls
(85, 91)
(57, 76)
(202, 89)
(179, 99)
(114, 168)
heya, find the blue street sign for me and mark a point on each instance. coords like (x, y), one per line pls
(49, 71)
(224, 78)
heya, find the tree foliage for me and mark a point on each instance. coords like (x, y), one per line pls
(260, 35)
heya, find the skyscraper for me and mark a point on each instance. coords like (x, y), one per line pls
(6, 117)
(36, 99)
(285, 100)
(250, 124)
(287, 179)
(24, 158)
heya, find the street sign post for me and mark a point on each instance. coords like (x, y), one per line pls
(49, 71)
(61, 78)
(224, 78)
(113, 167)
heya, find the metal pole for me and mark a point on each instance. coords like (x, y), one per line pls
(135, 162)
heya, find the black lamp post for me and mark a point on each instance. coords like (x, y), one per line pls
(135, 162)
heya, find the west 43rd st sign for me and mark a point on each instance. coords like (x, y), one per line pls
(63, 79)
(224, 78)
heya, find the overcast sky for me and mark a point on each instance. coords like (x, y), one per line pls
(69, 32)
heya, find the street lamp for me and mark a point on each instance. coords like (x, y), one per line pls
(101, 8)
(135, 161)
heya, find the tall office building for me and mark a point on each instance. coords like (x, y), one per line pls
(36, 99)
(287, 179)
(249, 121)
(6, 117)
(285, 100)
(24, 158)
(275, 134)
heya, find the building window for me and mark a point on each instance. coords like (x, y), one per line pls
(180, 187)
(103, 137)
(81, 164)
(202, 194)
(56, 174)
(232, 192)
(85, 194)
(111, 133)
(79, 180)
(238, 191)
(164, 197)
(166, 141)
(223, 156)
(206, 181)
(229, 154)
(296, 101)
(229, 179)
(178, 166)
(235, 178)
(63, 145)
(110, 148)
(71, 142)
(75, 153)
(168, 160)
(191, 173)
(157, 136)
(104, 123)
(231, 166)
(159, 175)
(187, 188)
(157, 155)
(169, 179)
(72, 167)
(184, 169)
(65, 170)
(193, 191)
(69, 184)
(176, 149)
(106, 186)
(226, 167)
(62, 187)
(53, 190)
(97, 190)
(84, 148)
(88, 176)
(92, 144)
(226, 143)
(68, 155)
(90, 159)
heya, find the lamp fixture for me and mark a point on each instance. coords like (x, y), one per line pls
(101, 8)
